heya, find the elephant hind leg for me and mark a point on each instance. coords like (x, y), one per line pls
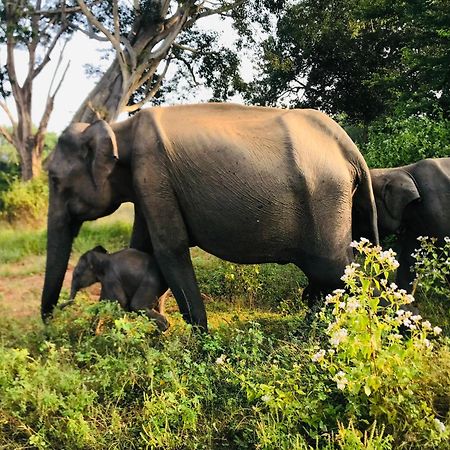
(324, 275)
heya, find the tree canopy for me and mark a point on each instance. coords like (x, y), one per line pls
(360, 58)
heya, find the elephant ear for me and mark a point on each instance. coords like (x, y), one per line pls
(100, 141)
(96, 260)
(399, 192)
(99, 249)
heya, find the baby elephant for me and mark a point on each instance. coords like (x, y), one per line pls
(129, 276)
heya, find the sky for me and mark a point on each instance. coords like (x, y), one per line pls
(76, 86)
(80, 50)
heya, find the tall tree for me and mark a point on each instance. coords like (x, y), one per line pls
(358, 57)
(151, 35)
(32, 26)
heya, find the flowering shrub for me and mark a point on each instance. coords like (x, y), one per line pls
(432, 266)
(378, 349)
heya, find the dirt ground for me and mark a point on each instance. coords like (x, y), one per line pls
(21, 282)
(20, 290)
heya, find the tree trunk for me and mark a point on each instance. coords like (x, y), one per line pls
(30, 159)
(104, 100)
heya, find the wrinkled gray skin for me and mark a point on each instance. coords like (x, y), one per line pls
(413, 201)
(129, 276)
(247, 184)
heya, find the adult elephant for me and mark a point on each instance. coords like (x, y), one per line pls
(413, 201)
(248, 184)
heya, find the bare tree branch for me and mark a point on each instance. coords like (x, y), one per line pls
(91, 33)
(5, 108)
(174, 27)
(58, 65)
(185, 48)
(6, 134)
(211, 11)
(46, 58)
(114, 39)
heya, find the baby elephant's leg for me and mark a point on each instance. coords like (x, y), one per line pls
(146, 299)
(161, 302)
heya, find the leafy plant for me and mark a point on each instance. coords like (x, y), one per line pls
(378, 351)
(25, 202)
(432, 267)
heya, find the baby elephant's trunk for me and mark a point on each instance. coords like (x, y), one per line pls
(74, 288)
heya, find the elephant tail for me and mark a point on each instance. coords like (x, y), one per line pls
(364, 207)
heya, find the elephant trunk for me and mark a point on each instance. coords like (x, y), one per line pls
(74, 288)
(60, 234)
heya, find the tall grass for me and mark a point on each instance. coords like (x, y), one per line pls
(16, 244)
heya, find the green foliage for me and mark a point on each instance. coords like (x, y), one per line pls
(25, 202)
(253, 284)
(96, 377)
(17, 244)
(432, 283)
(378, 353)
(115, 236)
(399, 140)
(360, 58)
(433, 267)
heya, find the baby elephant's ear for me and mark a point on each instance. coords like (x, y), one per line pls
(99, 249)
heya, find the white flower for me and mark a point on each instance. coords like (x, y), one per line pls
(426, 325)
(349, 271)
(352, 304)
(426, 342)
(338, 336)
(266, 398)
(400, 312)
(318, 356)
(397, 337)
(439, 425)
(409, 298)
(341, 380)
(342, 305)
(221, 360)
(338, 292)
(416, 318)
(437, 330)
(393, 286)
(447, 239)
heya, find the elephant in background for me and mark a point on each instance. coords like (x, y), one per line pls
(247, 184)
(413, 201)
(129, 276)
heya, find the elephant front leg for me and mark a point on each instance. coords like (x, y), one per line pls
(405, 272)
(170, 243)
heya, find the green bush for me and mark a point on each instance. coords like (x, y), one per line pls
(25, 202)
(432, 284)
(272, 285)
(396, 141)
(380, 369)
